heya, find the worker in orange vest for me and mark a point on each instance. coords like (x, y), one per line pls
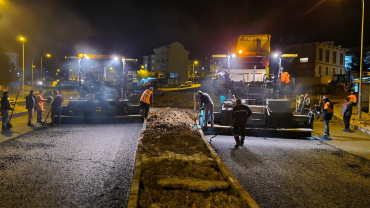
(40, 106)
(353, 99)
(146, 101)
(285, 78)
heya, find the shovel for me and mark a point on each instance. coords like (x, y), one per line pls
(51, 108)
(9, 125)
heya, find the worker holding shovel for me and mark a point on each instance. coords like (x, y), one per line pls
(240, 115)
(5, 107)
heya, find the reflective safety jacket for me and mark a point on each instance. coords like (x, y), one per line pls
(147, 97)
(328, 110)
(352, 98)
(40, 103)
(241, 113)
(285, 78)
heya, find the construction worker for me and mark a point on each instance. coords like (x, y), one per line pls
(285, 78)
(5, 107)
(207, 103)
(353, 99)
(306, 103)
(146, 101)
(40, 106)
(240, 115)
(300, 104)
(327, 114)
(346, 113)
(30, 106)
(56, 108)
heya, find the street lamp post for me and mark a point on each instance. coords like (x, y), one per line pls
(22, 39)
(47, 55)
(32, 74)
(195, 62)
(362, 45)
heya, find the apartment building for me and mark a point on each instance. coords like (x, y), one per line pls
(170, 62)
(314, 59)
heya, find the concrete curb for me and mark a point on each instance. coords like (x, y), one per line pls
(353, 126)
(235, 185)
(134, 190)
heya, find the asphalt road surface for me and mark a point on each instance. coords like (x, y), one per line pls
(308, 172)
(69, 166)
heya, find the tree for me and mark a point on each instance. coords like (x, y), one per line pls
(144, 74)
(7, 70)
(355, 64)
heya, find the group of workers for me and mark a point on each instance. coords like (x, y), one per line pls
(33, 103)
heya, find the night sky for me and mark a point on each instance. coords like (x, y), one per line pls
(134, 28)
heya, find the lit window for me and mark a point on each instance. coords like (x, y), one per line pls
(202, 68)
(146, 65)
(303, 60)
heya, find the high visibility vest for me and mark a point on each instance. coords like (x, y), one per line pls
(285, 77)
(352, 98)
(145, 97)
(40, 103)
(328, 108)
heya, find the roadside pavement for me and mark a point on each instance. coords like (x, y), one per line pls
(362, 124)
(19, 122)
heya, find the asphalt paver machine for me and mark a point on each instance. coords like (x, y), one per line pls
(247, 77)
(105, 91)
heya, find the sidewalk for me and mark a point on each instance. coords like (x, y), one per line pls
(19, 122)
(362, 125)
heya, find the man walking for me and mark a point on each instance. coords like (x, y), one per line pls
(327, 114)
(146, 101)
(240, 115)
(56, 108)
(346, 113)
(206, 101)
(5, 107)
(30, 106)
(40, 106)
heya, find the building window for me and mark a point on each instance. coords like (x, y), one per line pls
(333, 71)
(341, 59)
(327, 71)
(158, 61)
(320, 54)
(303, 60)
(146, 58)
(327, 56)
(158, 68)
(334, 57)
(319, 70)
(158, 54)
(341, 72)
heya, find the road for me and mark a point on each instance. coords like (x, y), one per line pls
(308, 172)
(69, 166)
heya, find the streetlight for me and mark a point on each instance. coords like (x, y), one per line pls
(22, 39)
(195, 62)
(362, 47)
(32, 73)
(48, 56)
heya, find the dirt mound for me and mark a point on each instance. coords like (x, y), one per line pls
(177, 169)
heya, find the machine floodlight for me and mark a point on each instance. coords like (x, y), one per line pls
(115, 58)
(276, 55)
(233, 55)
(240, 51)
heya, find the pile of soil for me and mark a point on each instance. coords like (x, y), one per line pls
(180, 183)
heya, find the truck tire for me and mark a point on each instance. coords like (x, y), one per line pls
(324, 89)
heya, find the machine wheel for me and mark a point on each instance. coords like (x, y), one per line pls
(324, 89)
(338, 90)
